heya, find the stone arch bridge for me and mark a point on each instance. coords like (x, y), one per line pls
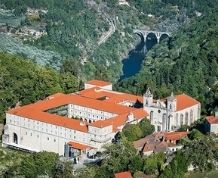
(158, 34)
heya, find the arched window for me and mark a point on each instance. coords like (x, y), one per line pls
(177, 120)
(146, 102)
(191, 116)
(170, 106)
(164, 122)
(186, 118)
(181, 120)
(15, 138)
(151, 116)
(169, 122)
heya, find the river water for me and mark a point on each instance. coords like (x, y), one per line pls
(132, 64)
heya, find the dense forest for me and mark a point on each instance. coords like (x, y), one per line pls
(74, 28)
(118, 157)
(188, 63)
(22, 82)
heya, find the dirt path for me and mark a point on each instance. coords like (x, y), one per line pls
(107, 34)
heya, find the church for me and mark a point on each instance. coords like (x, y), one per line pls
(170, 113)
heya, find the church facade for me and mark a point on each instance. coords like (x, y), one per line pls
(171, 113)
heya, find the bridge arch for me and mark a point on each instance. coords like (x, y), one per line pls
(163, 36)
(151, 40)
(140, 35)
(159, 35)
(141, 44)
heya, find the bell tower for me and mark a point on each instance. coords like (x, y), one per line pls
(171, 103)
(148, 98)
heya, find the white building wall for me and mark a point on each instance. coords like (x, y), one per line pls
(101, 136)
(147, 153)
(106, 87)
(174, 121)
(156, 119)
(38, 136)
(214, 128)
(88, 113)
(174, 148)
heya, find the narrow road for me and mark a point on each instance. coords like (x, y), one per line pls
(107, 35)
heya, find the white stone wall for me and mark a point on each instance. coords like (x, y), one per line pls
(174, 121)
(38, 136)
(156, 120)
(107, 87)
(88, 113)
(177, 120)
(101, 136)
(214, 128)
(174, 148)
(147, 153)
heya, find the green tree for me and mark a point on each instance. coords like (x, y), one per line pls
(64, 169)
(177, 167)
(146, 127)
(136, 131)
(203, 148)
(69, 83)
(136, 164)
(154, 163)
(132, 132)
(23, 82)
(117, 159)
(42, 163)
(195, 134)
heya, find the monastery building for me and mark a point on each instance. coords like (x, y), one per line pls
(81, 123)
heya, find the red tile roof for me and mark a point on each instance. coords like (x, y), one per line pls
(175, 136)
(157, 142)
(33, 113)
(185, 101)
(126, 174)
(212, 119)
(79, 146)
(153, 138)
(112, 96)
(120, 120)
(86, 98)
(81, 101)
(99, 83)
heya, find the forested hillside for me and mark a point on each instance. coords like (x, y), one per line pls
(22, 82)
(75, 29)
(187, 63)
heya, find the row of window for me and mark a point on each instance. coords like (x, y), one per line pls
(36, 125)
(177, 118)
(31, 134)
(90, 110)
(80, 114)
